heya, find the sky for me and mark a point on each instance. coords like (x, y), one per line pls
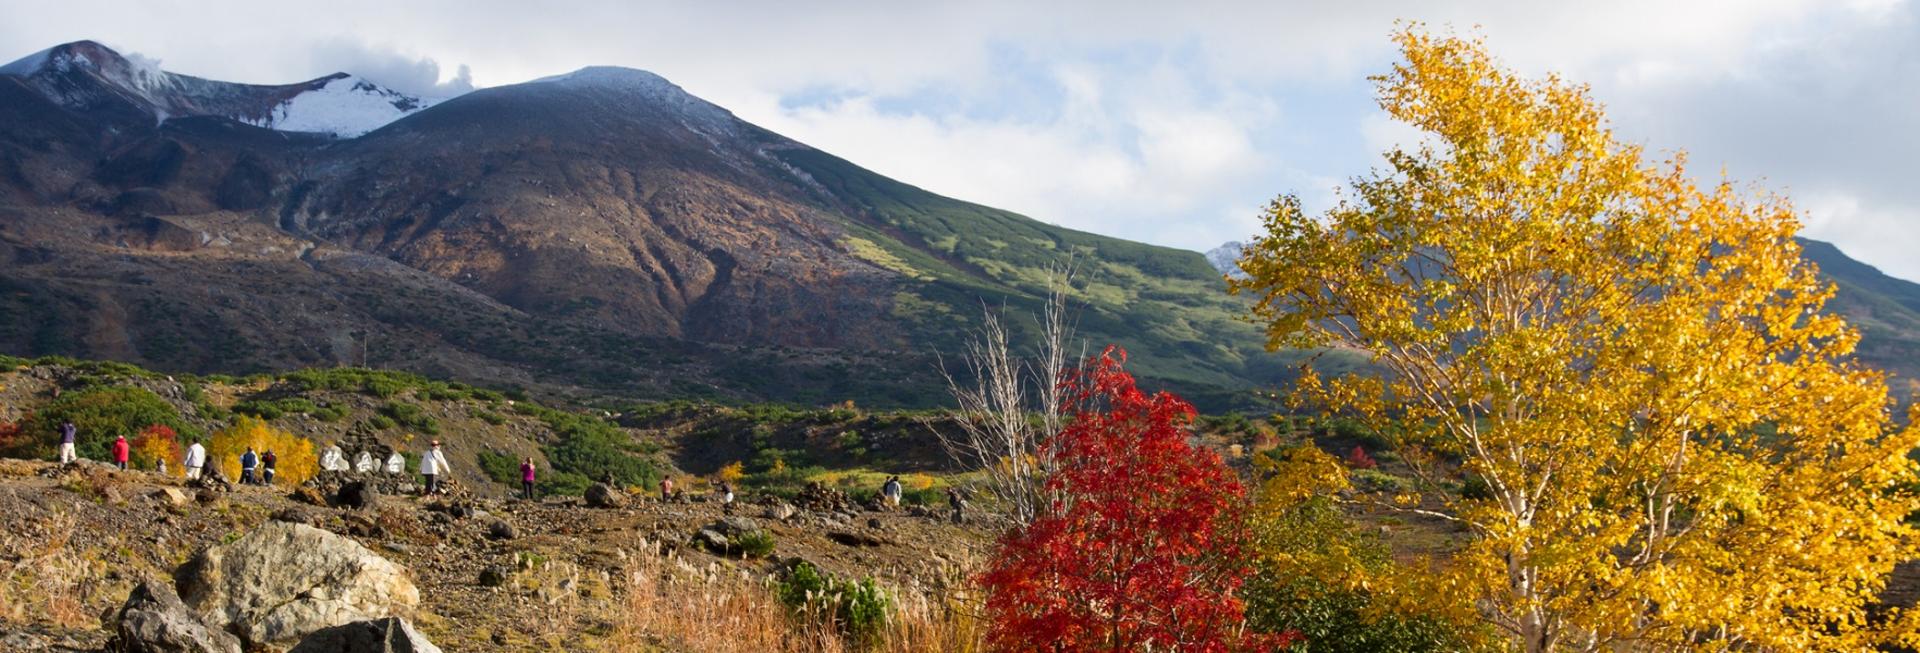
(1170, 123)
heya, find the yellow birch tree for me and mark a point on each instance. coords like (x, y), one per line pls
(1676, 448)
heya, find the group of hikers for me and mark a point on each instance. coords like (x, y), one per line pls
(258, 469)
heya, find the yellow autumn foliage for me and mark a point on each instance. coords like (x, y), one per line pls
(296, 463)
(732, 472)
(1671, 444)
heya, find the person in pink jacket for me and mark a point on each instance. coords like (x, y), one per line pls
(526, 479)
(121, 451)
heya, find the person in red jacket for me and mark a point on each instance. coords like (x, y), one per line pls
(121, 451)
(526, 479)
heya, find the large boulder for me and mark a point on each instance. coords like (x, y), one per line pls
(357, 495)
(601, 495)
(389, 635)
(154, 620)
(732, 526)
(285, 580)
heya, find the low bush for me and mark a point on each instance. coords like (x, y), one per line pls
(99, 414)
(411, 416)
(1374, 480)
(757, 544)
(858, 610)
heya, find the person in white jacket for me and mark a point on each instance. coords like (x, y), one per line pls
(433, 463)
(196, 459)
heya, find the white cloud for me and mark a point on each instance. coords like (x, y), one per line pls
(1149, 120)
(391, 68)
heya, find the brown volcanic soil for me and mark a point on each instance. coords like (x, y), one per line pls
(80, 538)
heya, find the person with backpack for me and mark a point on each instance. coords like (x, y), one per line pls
(248, 461)
(958, 502)
(266, 466)
(726, 496)
(196, 461)
(122, 451)
(526, 479)
(67, 432)
(433, 463)
(891, 490)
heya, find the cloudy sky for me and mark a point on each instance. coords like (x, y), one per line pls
(1140, 120)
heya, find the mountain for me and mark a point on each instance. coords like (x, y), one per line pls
(1225, 259)
(91, 78)
(596, 232)
(1885, 309)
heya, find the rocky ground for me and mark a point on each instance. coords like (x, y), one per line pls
(492, 574)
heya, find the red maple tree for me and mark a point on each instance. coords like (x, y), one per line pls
(1141, 550)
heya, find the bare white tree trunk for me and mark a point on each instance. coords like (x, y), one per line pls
(1000, 396)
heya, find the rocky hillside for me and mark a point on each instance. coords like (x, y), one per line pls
(596, 233)
(254, 566)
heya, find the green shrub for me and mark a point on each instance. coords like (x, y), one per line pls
(99, 414)
(411, 416)
(586, 449)
(490, 417)
(381, 422)
(272, 409)
(443, 392)
(859, 610)
(1374, 480)
(382, 388)
(501, 467)
(863, 611)
(757, 544)
(802, 583)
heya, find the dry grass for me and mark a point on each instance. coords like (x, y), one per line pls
(673, 605)
(47, 577)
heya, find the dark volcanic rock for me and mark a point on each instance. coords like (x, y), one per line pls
(154, 620)
(389, 635)
(357, 495)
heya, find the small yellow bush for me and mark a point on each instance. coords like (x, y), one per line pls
(297, 461)
(732, 472)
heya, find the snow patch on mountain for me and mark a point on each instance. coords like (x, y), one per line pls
(345, 106)
(1226, 257)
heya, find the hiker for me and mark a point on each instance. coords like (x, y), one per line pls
(959, 504)
(666, 489)
(891, 490)
(248, 461)
(66, 443)
(266, 467)
(726, 496)
(432, 465)
(121, 451)
(526, 479)
(196, 460)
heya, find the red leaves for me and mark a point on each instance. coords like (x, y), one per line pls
(10, 432)
(156, 443)
(1358, 459)
(1142, 550)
